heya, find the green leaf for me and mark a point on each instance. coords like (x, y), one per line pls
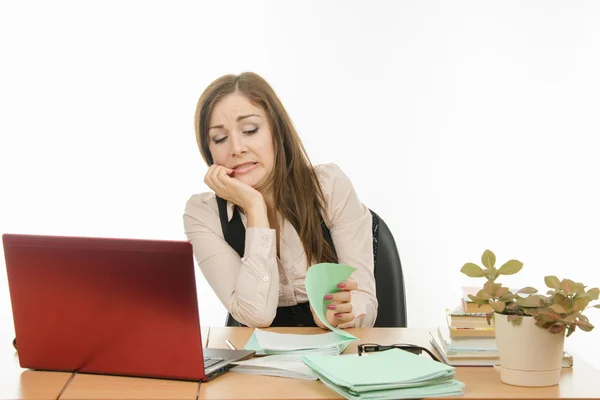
(489, 287)
(580, 304)
(594, 293)
(512, 317)
(584, 326)
(552, 282)
(478, 300)
(570, 318)
(558, 308)
(484, 294)
(515, 319)
(528, 290)
(507, 297)
(567, 286)
(597, 306)
(579, 288)
(501, 291)
(511, 267)
(498, 306)
(565, 302)
(530, 301)
(556, 329)
(488, 259)
(472, 270)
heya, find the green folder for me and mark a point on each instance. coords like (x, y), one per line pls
(391, 374)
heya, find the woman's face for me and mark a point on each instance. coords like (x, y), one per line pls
(240, 138)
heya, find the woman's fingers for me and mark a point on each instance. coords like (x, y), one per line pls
(340, 307)
(348, 284)
(339, 311)
(216, 179)
(344, 317)
(339, 297)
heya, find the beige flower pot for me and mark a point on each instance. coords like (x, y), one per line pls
(529, 355)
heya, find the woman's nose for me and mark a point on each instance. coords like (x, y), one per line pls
(238, 145)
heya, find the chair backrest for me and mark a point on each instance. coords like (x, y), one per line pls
(389, 281)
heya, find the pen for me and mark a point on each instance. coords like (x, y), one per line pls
(230, 345)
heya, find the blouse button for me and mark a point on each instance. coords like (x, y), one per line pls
(265, 238)
(265, 278)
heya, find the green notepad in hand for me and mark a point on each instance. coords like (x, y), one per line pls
(391, 374)
(321, 279)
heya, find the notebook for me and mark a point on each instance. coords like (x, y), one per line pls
(109, 306)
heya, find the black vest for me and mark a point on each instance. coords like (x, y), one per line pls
(234, 233)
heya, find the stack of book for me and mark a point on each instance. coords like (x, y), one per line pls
(469, 340)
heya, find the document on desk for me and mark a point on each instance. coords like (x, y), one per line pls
(391, 374)
(286, 366)
(264, 343)
(321, 279)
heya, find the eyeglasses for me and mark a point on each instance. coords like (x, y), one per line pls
(411, 348)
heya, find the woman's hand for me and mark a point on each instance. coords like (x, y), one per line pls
(339, 311)
(219, 180)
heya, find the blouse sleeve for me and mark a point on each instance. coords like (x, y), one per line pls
(350, 223)
(249, 286)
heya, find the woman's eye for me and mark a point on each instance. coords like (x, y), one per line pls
(220, 140)
(251, 131)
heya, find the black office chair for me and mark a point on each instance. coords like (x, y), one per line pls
(389, 281)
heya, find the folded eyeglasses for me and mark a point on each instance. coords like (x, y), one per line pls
(411, 348)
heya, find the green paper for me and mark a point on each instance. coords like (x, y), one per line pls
(322, 279)
(391, 374)
(329, 343)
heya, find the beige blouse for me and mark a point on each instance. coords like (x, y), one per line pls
(252, 287)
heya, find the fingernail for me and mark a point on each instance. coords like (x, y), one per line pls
(331, 306)
(338, 315)
(328, 297)
(341, 285)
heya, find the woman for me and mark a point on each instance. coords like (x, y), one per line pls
(262, 178)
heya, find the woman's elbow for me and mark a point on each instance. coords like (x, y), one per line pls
(255, 320)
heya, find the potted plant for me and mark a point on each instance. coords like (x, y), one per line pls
(530, 327)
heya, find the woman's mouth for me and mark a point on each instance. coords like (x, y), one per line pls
(244, 168)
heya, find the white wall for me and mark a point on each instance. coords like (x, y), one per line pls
(467, 126)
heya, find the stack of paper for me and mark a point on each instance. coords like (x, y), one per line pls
(330, 343)
(391, 374)
(287, 366)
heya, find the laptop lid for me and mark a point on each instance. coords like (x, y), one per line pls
(108, 306)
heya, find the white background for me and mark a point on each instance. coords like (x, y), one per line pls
(465, 125)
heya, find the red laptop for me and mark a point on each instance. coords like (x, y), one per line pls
(109, 306)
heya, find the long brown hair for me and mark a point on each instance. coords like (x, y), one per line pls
(293, 181)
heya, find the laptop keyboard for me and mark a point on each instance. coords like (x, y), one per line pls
(210, 361)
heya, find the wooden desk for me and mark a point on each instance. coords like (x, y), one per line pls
(580, 382)
(48, 385)
(19, 383)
